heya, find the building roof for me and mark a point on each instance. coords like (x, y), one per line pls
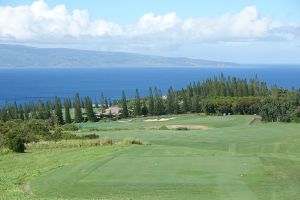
(114, 110)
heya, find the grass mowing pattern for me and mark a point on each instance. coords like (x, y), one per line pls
(231, 160)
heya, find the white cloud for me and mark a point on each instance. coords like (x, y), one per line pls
(40, 23)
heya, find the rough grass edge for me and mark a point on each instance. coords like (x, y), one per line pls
(70, 143)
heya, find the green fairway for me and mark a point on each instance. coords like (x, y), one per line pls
(229, 159)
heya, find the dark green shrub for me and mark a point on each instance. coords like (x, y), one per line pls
(90, 136)
(16, 144)
(164, 127)
(182, 129)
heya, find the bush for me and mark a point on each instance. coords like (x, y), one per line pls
(57, 134)
(4, 151)
(16, 144)
(164, 127)
(69, 136)
(60, 134)
(70, 127)
(182, 129)
(132, 141)
(90, 136)
(2, 140)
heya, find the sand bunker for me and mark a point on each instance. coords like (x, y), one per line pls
(159, 120)
(124, 121)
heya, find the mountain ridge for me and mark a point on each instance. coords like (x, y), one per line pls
(19, 56)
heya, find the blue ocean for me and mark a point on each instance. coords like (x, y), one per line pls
(32, 84)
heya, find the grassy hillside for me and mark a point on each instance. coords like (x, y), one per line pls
(228, 159)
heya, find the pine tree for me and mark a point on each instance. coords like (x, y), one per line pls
(109, 103)
(67, 105)
(151, 102)
(58, 111)
(77, 109)
(137, 104)
(185, 102)
(103, 101)
(33, 111)
(234, 87)
(82, 103)
(124, 105)
(5, 115)
(158, 102)
(41, 110)
(170, 101)
(176, 105)
(26, 111)
(21, 112)
(195, 104)
(13, 111)
(89, 109)
(48, 110)
(144, 109)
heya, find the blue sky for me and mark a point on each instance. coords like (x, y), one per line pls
(257, 31)
(128, 11)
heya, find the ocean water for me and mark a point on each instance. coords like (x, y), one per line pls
(33, 84)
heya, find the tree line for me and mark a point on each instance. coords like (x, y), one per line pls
(216, 95)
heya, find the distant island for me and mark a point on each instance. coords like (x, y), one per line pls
(18, 56)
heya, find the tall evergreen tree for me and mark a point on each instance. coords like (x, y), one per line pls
(48, 110)
(13, 111)
(144, 109)
(26, 111)
(77, 109)
(137, 104)
(158, 102)
(41, 110)
(89, 109)
(170, 101)
(67, 105)
(33, 111)
(234, 87)
(195, 104)
(58, 111)
(185, 102)
(176, 105)
(21, 112)
(103, 101)
(110, 103)
(125, 112)
(151, 102)
(82, 103)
